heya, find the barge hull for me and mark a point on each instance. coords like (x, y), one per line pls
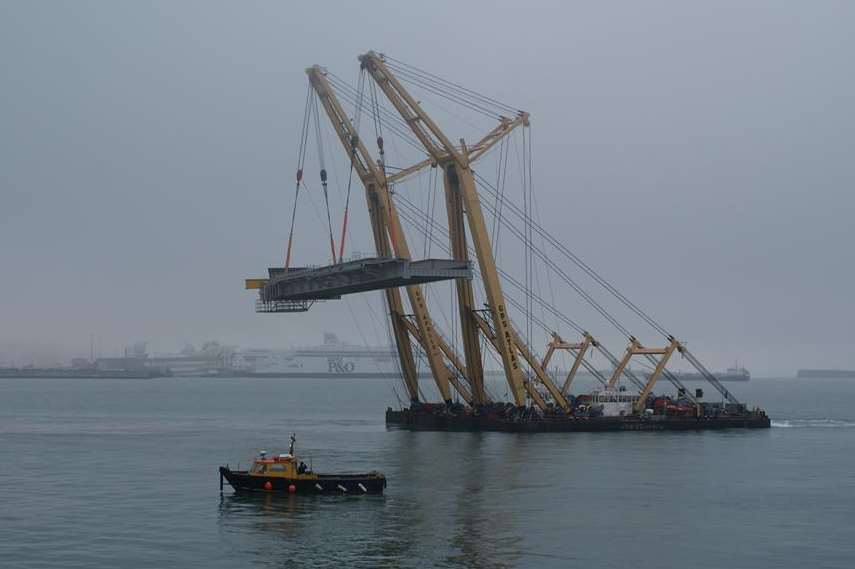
(242, 481)
(422, 421)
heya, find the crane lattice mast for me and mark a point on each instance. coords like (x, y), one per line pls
(389, 238)
(462, 197)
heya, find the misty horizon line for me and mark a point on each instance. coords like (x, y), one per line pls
(58, 355)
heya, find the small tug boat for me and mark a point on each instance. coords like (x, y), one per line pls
(285, 473)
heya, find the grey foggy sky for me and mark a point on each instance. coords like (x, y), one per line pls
(700, 155)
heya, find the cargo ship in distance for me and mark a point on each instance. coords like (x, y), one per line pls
(735, 373)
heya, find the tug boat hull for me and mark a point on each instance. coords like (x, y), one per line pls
(415, 420)
(243, 481)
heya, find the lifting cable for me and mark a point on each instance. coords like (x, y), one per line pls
(411, 217)
(491, 107)
(501, 176)
(526, 130)
(529, 242)
(449, 90)
(550, 263)
(548, 273)
(381, 161)
(416, 217)
(526, 248)
(323, 173)
(449, 85)
(433, 179)
(581, 264)
(406, 77)
(528, 162)
(565, 277)
(397, 124)
(354, 139)
(301, 157)
(375, 111)
(410, 213)
(390, 119)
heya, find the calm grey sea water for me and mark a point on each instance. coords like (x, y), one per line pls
(122, 473)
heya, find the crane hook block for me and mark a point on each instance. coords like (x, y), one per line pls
(354, 140)
(380, 142)
(299, 175)
(323, 175)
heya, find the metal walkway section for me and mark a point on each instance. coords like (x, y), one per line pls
(276, 306)
(375, 273)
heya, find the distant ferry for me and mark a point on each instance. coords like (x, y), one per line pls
(333, 358)
(827, 373)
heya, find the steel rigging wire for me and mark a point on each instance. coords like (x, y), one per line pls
(501, 177)
(417, 218)
(449, 89)
(301, 156)
(353, 142)
(411, 214)
(613, 360)
(517, 232)
(322, 163)
(432, 83)
(388, 118)
(668, 375)
(406, 77)
(529, 227)
(575, 259)
(459, 94)
(528, 222)
(480, 103)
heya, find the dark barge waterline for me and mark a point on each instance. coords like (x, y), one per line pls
(416, 420)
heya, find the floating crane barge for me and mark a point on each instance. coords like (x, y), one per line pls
(420, 420)
(540, 400)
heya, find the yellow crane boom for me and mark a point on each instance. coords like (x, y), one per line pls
(386, 223)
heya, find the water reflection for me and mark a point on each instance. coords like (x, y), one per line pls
(289, 530)
(483, 536)
(447, 505)
(262, 512)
